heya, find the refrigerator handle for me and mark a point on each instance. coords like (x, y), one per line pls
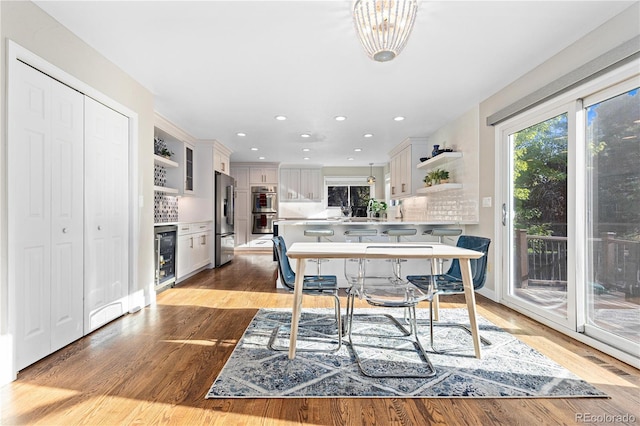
(231, 202)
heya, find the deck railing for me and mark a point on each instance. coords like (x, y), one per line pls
(542, 260)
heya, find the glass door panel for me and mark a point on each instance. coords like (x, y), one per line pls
(538, 226)
(613, 219)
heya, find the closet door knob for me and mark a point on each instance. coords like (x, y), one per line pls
(99, 228)
(64, 230)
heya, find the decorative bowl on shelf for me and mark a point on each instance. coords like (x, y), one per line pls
(423, 159)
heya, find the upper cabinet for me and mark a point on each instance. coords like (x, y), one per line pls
(260, 175)
(300, 184)
(241, 176)
(177, 160)
(405, 178)
(221, 156)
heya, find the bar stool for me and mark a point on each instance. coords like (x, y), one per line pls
(399, 233)
(318, 234)
(359, 234)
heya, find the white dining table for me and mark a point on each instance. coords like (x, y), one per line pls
(348, 250)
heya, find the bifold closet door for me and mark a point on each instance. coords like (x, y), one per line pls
(45, 217)
(106, 214)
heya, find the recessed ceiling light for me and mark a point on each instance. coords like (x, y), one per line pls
(357, 149)
(368, 135)
(305, 135)
(306, 149)
(305, 158)
(241, 134)
(340, 118)
(280, 117)
(398, 118)
(260, 158)
(254, 149)
(350, 158)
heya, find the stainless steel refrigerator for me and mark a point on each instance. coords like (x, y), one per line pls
(224, 211)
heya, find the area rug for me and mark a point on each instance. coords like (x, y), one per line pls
(508, 368)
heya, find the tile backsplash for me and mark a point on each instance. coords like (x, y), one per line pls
(165, 207)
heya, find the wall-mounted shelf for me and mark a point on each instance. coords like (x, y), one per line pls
(165, 189)
(441, 158)
(162, 161)
(438, 188)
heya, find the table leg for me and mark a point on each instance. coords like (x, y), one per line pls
(470, 297)
(297, 304)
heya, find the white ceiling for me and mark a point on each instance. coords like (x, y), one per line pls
(217, 68)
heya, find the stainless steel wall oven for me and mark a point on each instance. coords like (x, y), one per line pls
(264, 208)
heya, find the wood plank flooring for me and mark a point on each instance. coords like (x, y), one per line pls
(155, 367)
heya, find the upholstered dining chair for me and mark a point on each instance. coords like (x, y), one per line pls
(388, 293)
(450, 282)
(313, 285)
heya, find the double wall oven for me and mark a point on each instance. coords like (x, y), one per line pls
(264, 208)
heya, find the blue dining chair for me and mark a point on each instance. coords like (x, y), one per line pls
(450, 282)
(313, 285)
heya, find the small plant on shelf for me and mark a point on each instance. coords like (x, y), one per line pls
(164, 152)
(443, 176)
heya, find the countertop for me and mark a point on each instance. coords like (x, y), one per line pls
(359, 221)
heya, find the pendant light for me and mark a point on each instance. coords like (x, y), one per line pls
(371, 179)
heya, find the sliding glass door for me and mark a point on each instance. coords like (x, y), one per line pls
(536, 214)
(570, 234)
(612, 146)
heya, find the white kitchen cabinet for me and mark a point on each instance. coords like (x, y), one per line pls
(181, 177)
(242, 215)
(289, 184)
(311, 184)
(264, 175)
(221, 156)
(405, 178)
(193, 248)
(300, 184)
(241, 176)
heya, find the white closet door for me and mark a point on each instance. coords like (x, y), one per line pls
(106, 214)
(67, 216)
(45, 262)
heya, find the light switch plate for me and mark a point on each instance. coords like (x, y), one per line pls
(486, 202)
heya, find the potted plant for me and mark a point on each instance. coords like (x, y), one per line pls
(378, 208)
(443, 176)
(164, 152)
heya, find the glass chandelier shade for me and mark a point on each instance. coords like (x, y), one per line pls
(384, 26)
(371, 179)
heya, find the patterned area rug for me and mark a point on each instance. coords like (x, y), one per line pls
(508, 368)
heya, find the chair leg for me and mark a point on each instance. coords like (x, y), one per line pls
(432, 324)
(338, 316)
(413, 331)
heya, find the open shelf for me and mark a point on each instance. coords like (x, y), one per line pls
(165, 189)
(438, 188)
(162, 161)
(441, 158)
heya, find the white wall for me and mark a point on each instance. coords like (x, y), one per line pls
(27, 25)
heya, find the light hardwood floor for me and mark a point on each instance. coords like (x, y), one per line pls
(155, 367)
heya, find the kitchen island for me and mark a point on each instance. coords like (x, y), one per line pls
(292, 230)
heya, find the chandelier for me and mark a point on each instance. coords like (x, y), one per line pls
(384, 26)
(371, 179)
